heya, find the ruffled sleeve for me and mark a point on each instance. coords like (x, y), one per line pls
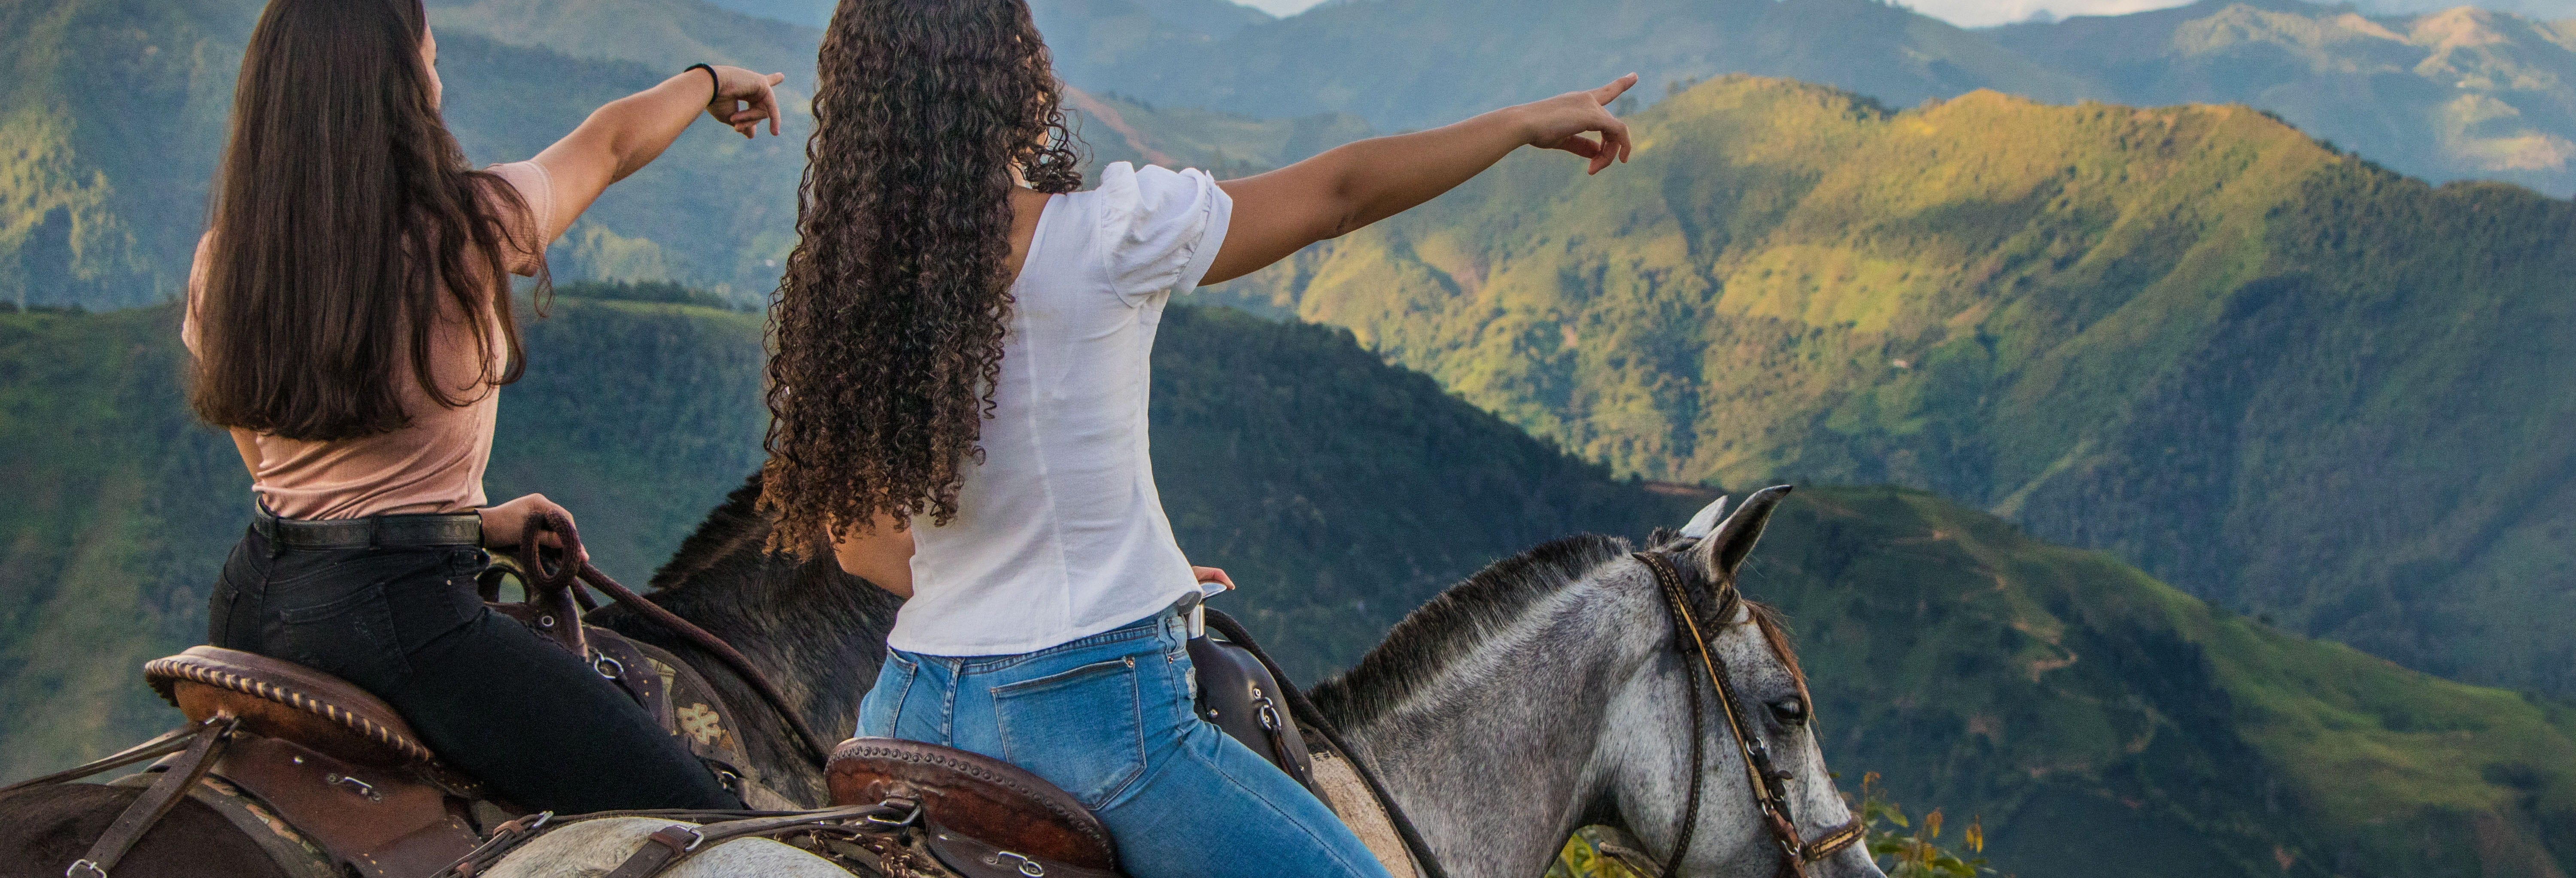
(1160, 229)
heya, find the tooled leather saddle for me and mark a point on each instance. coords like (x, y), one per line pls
(991, 819)
(329, 780)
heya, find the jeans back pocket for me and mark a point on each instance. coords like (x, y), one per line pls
(350, 635)
(1082, 729)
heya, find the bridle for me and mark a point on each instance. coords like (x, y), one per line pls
(1770, 785)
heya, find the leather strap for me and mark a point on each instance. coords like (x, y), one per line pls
(180, 776)
(1768, 794)
(972, 857)
(566, 575)
(1304, 712)
(171, 741)
(451, 529)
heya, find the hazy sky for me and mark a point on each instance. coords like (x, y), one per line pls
(1977, 13)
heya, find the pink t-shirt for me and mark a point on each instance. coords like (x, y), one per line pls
(434, 464)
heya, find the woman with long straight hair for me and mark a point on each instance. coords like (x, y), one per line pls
(350, 316)
(959, 392)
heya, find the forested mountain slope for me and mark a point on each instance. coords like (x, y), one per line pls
(2073, 702)
(114, 115)
(2284, 378)
(2462, 93)
(1286, 454)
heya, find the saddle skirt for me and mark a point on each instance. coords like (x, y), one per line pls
(349, 776)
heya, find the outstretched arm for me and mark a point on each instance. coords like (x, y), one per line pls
(1350, 186)
(628, 133)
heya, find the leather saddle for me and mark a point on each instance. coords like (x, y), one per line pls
(989, 817)
(334, 762)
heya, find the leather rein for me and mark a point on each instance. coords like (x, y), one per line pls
(572, 576)
(1769, 784)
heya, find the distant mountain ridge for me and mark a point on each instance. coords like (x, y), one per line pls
(2282, 378)
(2460, 94)
(2456, 94)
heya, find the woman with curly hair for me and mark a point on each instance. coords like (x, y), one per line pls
(959, 391)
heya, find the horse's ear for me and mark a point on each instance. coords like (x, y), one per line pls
(1725, 547)
(1705, 521)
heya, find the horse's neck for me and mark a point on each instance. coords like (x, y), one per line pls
(1509, 748)
(817, 633)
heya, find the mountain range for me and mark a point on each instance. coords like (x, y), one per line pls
(2463, 93)
(2276, 375)
(2056, 693)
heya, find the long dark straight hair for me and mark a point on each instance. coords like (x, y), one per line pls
(344, 218)
(889, 322)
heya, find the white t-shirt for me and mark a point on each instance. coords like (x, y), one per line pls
(1059, 533)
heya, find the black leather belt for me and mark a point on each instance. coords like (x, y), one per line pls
(389, 531)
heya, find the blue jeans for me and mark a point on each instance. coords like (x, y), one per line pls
(1109, 718)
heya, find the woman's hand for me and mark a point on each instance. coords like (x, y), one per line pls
(1563, 122)
(506, 524)
(1210, 574)
(735, 88)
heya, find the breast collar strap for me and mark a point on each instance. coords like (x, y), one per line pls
(1770, 791)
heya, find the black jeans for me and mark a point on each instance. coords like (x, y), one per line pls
(522, 715)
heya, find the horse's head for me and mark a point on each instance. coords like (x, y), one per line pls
(1765, 799)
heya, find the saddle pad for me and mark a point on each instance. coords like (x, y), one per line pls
(1349, 798)
(594, 847)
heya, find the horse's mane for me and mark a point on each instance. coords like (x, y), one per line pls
(734, 523)
(1453, 623)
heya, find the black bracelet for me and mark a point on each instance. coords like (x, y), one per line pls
(712, 78)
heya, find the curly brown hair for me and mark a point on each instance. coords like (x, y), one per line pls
(887, 329)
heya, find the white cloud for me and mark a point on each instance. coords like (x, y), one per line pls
(1980, 13)
(1279, 7)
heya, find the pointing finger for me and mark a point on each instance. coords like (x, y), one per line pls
(1617, 87)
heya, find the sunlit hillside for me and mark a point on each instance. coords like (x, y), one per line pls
(2279, 376)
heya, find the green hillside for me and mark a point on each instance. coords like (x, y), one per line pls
(2282, 377)
(2103, 723)
(2455, 94)
(2057, 693)
(641, 416)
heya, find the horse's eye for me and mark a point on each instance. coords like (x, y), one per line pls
(1792, 711)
